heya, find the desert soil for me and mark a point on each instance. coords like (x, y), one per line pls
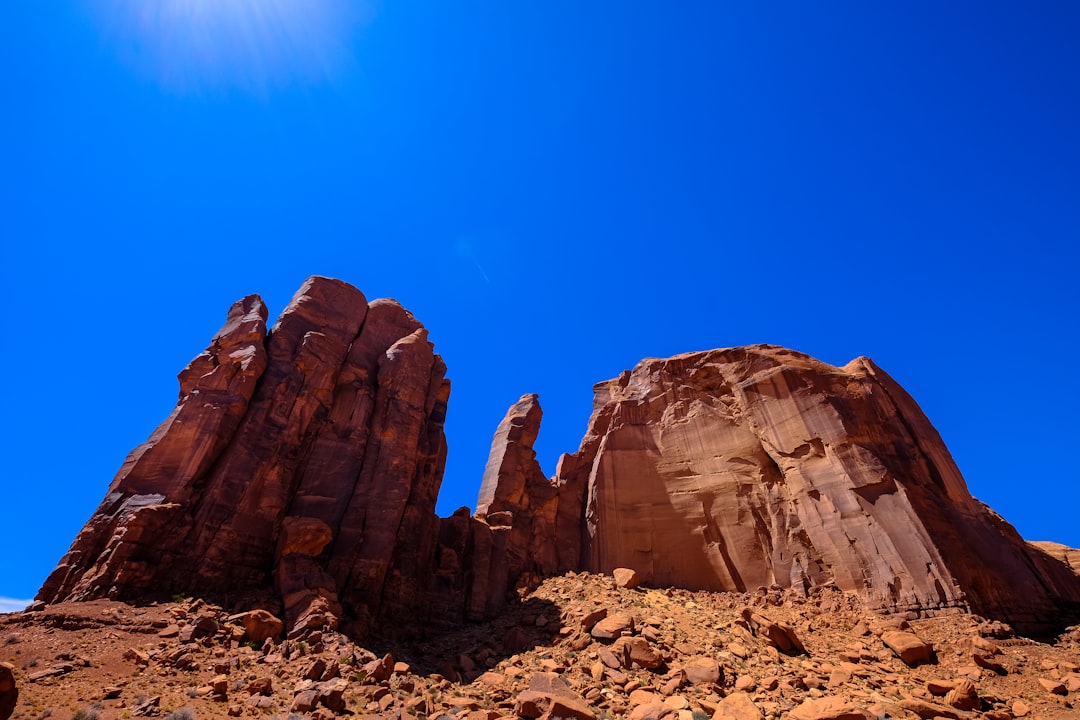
(578, 646)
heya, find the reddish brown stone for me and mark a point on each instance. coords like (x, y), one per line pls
(9, 692)
(115, 554)
(550, 696)
(703, 671)
(305, 459)
(517, 511)
(964, 696)
(751, 467)
(829, 708)
(737, 706)
(780, 636)
(909, 647)
(305, 462)
(637, 653)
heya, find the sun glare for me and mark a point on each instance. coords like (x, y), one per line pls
(251, 44)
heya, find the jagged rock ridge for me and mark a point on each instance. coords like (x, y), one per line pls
(306, 459)
(756, 467)
(304, 463)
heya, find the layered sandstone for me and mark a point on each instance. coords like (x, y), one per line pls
(306, 459)
(759, 466)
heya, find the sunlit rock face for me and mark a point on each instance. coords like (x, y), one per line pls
(759, 466)
(301, 465)
(302, 462)
(1063, 553)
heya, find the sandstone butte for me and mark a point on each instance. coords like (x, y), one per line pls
(300, 468)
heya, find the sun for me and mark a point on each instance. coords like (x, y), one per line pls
(250, 44)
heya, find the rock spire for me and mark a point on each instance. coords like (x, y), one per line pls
(302, 464)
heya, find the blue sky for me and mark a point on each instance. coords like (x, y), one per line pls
(556, 190)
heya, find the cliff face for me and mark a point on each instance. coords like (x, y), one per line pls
(302, 464)
(296, 459)
(752, 467)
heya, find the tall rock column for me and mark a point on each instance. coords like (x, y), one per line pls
(116, 553)
(514, 540)
(303, 462)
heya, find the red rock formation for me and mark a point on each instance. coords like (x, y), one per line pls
(305, 461)
(299, 459)
(9, 692)
(1062, 553)
(517, 496)
(158, 478)
(526, 528)
(751, 467)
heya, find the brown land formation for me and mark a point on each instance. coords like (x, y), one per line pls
(744, 533)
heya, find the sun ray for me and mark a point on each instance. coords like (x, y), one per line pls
(254, 45)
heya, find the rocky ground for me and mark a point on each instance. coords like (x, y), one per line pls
(580, 646)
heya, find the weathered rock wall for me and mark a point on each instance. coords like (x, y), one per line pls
(303, 463)
(305, 459)
(759, 466)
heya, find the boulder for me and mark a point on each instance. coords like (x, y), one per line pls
(1053, 686)
(909, 647)
(379, 670)
(550, 696)
(305, 701)
(779, 635)
(963, 695)
(829, 708)
(259, 625)
(637, 653)
(737, 706)
(9, 692)
(703, 671)
(612, 626)
(928, 710)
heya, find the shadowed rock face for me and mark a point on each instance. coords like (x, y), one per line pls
(9, 692)
(303, 463)
(298, 459)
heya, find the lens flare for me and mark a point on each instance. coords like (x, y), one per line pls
(252, 44)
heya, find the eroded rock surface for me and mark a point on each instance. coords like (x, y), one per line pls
(756, 467)
(9, 692)
(1064, 553)
(306, 458)
(302, 463)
